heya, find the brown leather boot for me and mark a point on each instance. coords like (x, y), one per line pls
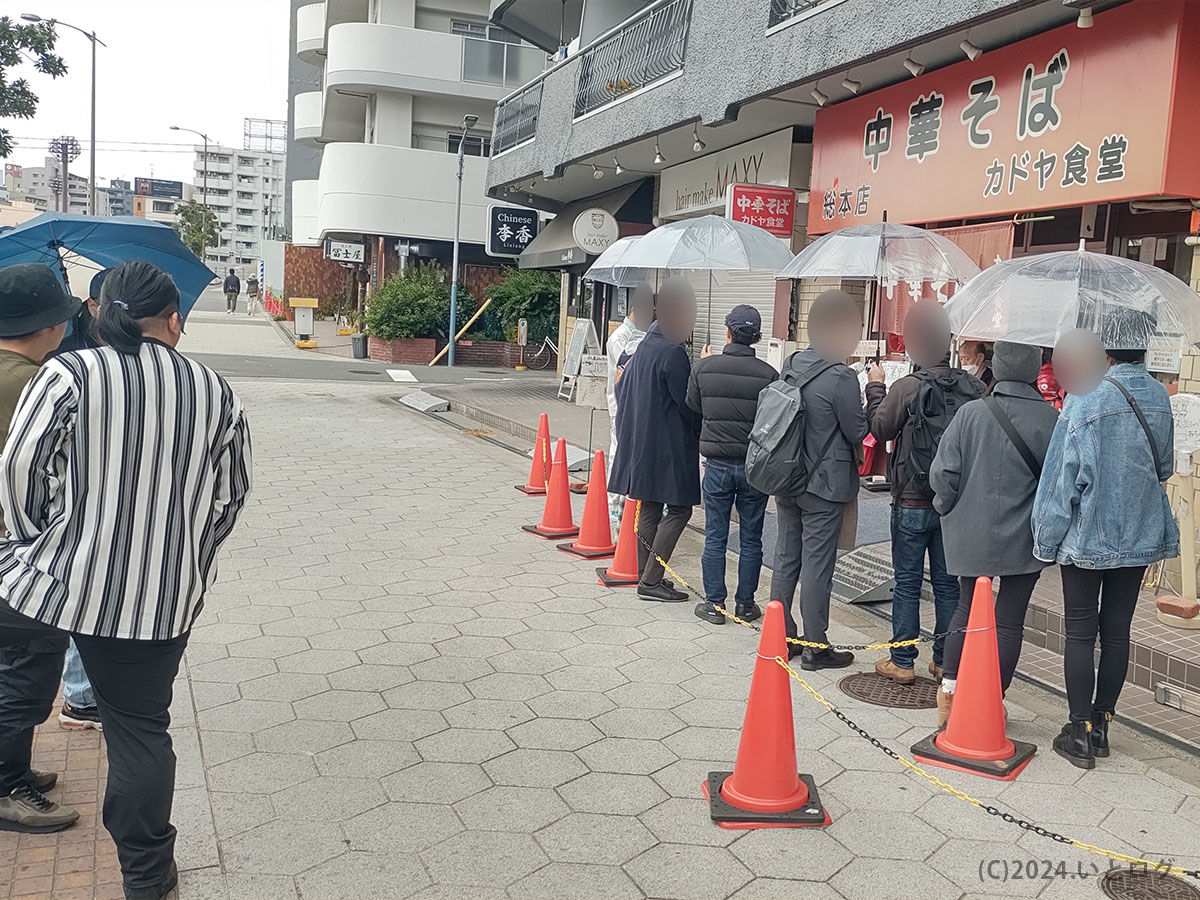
(944, 702)
(890, 670)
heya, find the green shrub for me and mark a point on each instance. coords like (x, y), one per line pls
(415, 304)
(530, 294)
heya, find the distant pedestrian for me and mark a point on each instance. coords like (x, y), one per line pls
(621, 344)
(251, 294)
(658, 455)
(34, 311)
(151, 453)
(985, 482)
(915, 414)
(723, 391)
(1102, 514)
(232, 287)
(810, 523)
(1047, 382)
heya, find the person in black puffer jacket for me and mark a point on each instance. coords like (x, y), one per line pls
(724, 390)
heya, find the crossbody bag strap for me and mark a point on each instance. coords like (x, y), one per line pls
(808, 376)
(1010, 429)
(1137, 411)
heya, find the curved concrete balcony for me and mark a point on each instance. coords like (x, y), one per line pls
(306, 125)
(396, 191)
(304, 214)
(310, 33)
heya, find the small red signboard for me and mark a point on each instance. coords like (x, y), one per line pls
(770, 208)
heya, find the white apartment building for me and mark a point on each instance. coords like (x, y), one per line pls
(245, 192)
(397, 78)
(37, 184)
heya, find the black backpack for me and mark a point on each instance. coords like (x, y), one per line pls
(775, 460)
(938, 399)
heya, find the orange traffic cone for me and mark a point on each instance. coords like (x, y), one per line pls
(539, 470)
(973, 740)
(764, 791)
(557, 521)
(624, 570)
(595, 537)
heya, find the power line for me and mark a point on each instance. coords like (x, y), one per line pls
(28, 137)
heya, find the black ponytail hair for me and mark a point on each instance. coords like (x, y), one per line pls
(131, 293)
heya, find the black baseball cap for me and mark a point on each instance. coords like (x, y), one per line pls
(745, 321)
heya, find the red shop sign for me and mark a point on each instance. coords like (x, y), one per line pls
(1065, 118)
(770, 208)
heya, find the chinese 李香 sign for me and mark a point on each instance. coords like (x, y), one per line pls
(770, 208)
(510, 229)
(345, 251)
(1065, 118)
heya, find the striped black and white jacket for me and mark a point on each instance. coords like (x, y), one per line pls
(121, 477)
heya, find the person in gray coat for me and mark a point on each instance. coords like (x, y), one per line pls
(984, 493)
(809, 525)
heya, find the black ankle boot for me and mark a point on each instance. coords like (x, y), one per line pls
(1100, 722)
(1074, 744)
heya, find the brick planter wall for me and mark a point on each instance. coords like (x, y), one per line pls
(306, 273)
(487, 354)
(410, 351)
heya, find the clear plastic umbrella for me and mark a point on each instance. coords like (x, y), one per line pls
(1035, 299)
(610, 267)
(707, 243)
(884, 252)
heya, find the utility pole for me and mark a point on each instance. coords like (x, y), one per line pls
(467, 123)
(204, 197)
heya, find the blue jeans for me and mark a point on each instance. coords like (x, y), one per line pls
(77, 689)
(916, 532)
(725, 486)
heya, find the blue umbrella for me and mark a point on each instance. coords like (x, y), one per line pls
(107, 241)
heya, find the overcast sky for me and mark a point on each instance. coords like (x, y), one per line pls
(202, 64)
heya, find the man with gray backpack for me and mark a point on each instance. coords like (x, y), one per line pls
(802, 452)
(915, 414)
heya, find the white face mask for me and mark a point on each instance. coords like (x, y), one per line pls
(972, 369)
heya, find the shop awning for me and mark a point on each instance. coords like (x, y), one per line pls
(555, 247)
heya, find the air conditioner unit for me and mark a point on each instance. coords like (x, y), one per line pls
(779, 350)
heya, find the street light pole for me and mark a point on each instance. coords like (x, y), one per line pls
(204, 196)
(91, 36)
(468, 121)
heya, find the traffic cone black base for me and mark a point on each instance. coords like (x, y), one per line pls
(587, 554)
(927, 751)
(611, 581)
(524, 489)
(550, 535)
(579, 487)
(728, 816)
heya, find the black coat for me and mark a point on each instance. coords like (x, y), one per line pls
(82, 336)
(658, 453)
(724, 390)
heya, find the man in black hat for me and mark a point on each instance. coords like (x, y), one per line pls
(34, 311)
(82, 337)
(724, 391)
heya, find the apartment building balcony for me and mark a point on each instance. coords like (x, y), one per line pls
(305, 197)
(307, 118)
(400, 191)
(310, 33)
(213, 183)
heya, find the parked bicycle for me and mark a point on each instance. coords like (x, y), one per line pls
(545, 353)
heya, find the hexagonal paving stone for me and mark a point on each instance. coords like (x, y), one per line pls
(366, 759)
(209, 694)
(619, 635)
(590, 838)
(413, 826)
(714, 713)
(483, 858)
(509, 686)
(396, 654)
(328, 798)
(282, 847)
(658, 671)
(232, 670)
(885, 834)
(472, 647)
(1070, 804)
(1135, 791)
(627, 756)
(807, 853)
(399, 725)
(269, 646)
(960, 862)
(1160, 835)
(564, 704)
(283, 686)
(557, 621)
(535, 768)
(499, 714)
(511, 809)
(249, 716)
(427, 695)
(489, 627)
(648, 695)
(650, 724)
(674, 872)
(338, 706)
(321, 662)
(717, 687)
(234, 813)
(555, 734)
(457, 669)
(528, 662)
(261, 773)
(662, 648)
(607, 656)
(686, 821)
(558, 880)
(360, 874)
(347, 639)
(436, 782)
(464, 745)
(777, 889)
(893, 880)
(621, 795)
(303, 736)
(704, 743)
(586, 678)
(370, 678)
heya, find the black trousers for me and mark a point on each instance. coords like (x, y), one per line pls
(1012, 600)
(1097, 602)
(132, 681)
(806, 554)
(662, 533)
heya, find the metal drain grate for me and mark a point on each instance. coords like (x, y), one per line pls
(1136, 884)
(879, 691)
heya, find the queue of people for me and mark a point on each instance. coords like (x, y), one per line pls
(982, 446)
(125, 468)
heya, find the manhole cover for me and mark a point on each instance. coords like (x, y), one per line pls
(1136, 884)
(880, 691)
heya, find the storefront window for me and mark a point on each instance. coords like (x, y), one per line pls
(579, 298)
(1165, 252)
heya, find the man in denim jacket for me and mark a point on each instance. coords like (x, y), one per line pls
(1101, 512)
